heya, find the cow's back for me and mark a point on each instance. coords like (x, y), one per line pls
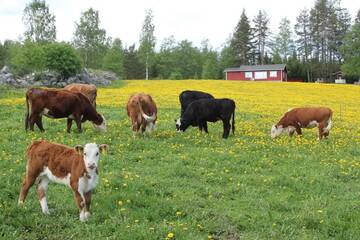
(58, 158)
(307, 114)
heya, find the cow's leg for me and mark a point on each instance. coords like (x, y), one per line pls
(226, 125)
(200, 124)
(298, 130)
(41, 191)
(39, 123)
(80, 203)
(205, 127)
(78, 123)
(32, 121)
(321, 130)
(87, 197)
(69, 124)
(291, 132)
(29, 180)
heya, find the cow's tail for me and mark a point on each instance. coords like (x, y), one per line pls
(145, 116)
(233, 122)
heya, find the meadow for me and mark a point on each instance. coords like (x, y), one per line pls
(195, 185)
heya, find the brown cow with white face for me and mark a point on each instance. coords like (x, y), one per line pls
(89, 90)
(75, 167)
(306, 117)
(142, 111)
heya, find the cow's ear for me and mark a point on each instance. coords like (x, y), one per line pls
(79, 149)
(104, 148)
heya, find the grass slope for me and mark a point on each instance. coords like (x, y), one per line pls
(193, 185)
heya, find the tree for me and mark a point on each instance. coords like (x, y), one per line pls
(39, 22)
(165, 59)
(62, 58)
(26, 58)
(188, 60)
(2, 55)
(210, 69)
(241, 41)
(147, 42)
(304, 41)
(351, 52)
(357, 18)
(283, 41)
(133, 68)
(90, 39)
(261, 33)
(114, 59)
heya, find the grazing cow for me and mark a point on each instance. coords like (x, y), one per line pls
(89, 90)
(307, 117)
(55, 103)
(142, 111)
(75, 167)
(187, 97)
(199, 112)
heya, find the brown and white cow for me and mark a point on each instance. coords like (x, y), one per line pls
(55, 103)
(75, 167)
(142, 111)
(89, 90)
(306, 117)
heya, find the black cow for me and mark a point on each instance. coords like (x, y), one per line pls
(199, 112)
(188, 96)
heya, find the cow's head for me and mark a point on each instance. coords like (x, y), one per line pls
(90, 153)
(177, 124)
(101, 124)
(182, 124)
(276, 131)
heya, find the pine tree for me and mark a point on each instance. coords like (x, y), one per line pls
(241, 40)
(284, 41)
(261, 34)
(39, 22)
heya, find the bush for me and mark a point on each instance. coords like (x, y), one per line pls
(62, 59)
(26, 58)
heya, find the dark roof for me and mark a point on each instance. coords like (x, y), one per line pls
(249, 68)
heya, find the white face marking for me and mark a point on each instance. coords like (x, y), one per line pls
(102, 126)
(178, 124)
(312, 124)
(91, 156)
(276, 131)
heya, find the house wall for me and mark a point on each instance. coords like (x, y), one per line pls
(241, 76)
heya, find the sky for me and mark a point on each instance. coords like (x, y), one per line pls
(194, 20)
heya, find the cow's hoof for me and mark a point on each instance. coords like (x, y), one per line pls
(20, 203)
(46, 212)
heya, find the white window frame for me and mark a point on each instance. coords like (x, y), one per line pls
(260, 75)
(273, 74)
(249, 75)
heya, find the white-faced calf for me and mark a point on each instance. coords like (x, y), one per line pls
(307, 117)
(75, 167)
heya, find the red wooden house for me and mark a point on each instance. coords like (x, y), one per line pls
(273, 72)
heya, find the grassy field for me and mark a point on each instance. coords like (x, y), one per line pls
(192, 185)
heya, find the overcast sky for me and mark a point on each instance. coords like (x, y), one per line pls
(194, 20)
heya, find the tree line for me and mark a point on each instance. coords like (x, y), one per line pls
(322, 42)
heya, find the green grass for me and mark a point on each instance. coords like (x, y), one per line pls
(193, 185)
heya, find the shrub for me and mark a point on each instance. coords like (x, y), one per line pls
(62, 59)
